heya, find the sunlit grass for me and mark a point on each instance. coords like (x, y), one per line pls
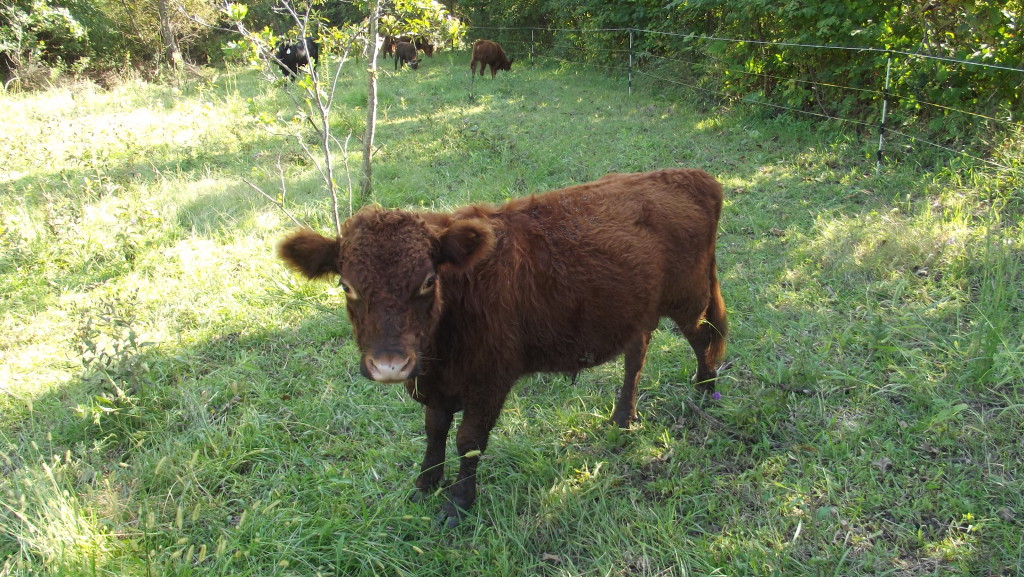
(54, 523)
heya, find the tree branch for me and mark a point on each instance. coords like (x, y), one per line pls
(279, 204)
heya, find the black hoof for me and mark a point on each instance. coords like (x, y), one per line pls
(448, 521)
(420, 494)
(450, 516)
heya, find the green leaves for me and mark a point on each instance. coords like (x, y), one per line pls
(236, 12)
(421, 18)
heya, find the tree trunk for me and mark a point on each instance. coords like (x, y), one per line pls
(171, 50)
(371, 102)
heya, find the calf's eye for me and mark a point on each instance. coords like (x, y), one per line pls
(428, 284)
(350, 293)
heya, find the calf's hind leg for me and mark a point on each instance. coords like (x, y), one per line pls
(701, 338)
(636, 353)
(706, 335)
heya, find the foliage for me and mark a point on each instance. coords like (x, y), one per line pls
(139, 23)
(422, 19)
(96, 35)
(112, 356)
(34, 33)
(530, 13)
(341, 14)
(977, 31)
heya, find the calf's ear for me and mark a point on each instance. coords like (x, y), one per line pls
(465, 243)
(310, 253)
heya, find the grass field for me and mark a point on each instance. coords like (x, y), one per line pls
(174, 402)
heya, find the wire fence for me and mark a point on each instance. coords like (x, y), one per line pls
(903, 103)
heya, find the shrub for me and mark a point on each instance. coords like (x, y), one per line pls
(35, 33)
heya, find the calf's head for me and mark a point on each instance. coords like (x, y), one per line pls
(392, 266)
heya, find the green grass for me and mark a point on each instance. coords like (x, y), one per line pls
(174, 402)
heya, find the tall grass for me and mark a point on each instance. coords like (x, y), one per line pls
(174, 402)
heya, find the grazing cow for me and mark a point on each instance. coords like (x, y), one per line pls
(459, 305)
(291, 56)
(490, 53)
(390, 42)
(425, 45)
(405, 52)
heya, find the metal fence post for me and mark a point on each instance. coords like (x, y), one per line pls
(885, 111)
(533, 41)
(630, 68)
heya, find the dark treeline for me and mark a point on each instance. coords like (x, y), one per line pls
(748, 48)
(41, 40)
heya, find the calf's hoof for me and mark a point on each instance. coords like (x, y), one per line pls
(419, 494)
(705, 384)
(450, 516)
(623, 421)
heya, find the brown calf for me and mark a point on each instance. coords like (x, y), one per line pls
(489, 53)
(459, 305)
(405, 53)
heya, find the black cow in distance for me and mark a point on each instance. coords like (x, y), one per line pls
(293, 55)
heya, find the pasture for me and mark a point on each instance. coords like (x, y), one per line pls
(173, 401)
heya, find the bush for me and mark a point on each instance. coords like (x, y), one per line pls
(34, 34)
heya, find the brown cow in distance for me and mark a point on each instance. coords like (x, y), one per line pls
(488, 53)
(458, 306)
(390, 42)
(388, 46)
(424, 45)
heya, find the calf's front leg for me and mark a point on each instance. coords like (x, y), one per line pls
(471, 441)
(438, 423)
(636, 353)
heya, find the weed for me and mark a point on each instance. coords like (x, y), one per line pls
(114, 363)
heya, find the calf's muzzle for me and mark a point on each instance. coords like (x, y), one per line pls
(389, 366)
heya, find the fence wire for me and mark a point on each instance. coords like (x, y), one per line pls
(911, 120)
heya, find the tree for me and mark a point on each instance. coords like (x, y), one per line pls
(317, 91)
(171, 51)
(366, 182)
(425, 18)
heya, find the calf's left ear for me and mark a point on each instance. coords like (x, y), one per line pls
(465, 243)
(310, 253)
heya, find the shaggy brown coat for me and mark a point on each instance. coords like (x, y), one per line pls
(459, 305)
(488, 53)
(405, 53)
